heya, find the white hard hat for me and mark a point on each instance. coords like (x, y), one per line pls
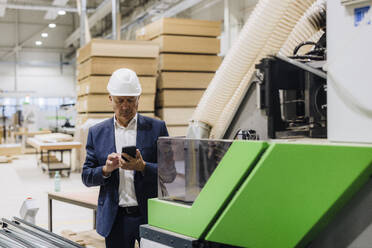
(124, 82)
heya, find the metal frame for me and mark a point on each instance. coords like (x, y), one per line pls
(16, 219)
(40, 7)
(175, 240)
(52, 197)
(40, 160)
(13, 237)
(29, 235)
(42, 237)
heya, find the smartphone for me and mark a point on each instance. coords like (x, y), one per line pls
(130, 150)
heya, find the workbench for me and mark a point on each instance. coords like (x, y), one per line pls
(47, 164)
(86, 199)
(25, 134)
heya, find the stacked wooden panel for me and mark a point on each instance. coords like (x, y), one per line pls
(187, 63)
(99, 59)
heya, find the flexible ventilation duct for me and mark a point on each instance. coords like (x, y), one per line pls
(279, 35)
(265, 32)
(239, 59)
(309, 24)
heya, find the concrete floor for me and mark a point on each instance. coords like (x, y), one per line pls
(23, 178)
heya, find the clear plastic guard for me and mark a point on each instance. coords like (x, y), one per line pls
(185, 165)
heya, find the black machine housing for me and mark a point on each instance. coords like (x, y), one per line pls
(293, 95)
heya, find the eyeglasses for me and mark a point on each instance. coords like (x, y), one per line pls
(127, 99)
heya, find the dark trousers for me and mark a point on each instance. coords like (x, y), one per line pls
(125, 230)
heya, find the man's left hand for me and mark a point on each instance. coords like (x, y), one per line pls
(136, 163)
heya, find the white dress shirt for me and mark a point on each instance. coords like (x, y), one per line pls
(126, 136)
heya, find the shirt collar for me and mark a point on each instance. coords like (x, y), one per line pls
(132, 123)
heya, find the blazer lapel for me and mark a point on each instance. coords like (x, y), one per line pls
(141, 128)
(141, 134)
(111, 133)
(111, 146)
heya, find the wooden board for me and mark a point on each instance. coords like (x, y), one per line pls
(184, 80)
(177, 130)
(107, 65)
(118, 48)
(54, 137)
(53, 146)
(146, 103)
(176, 116)
(93, 103)
(5, 159)
(179, 98)
(98, 85)
(82, 117)
(179, 26)
(86, 238)
(33, 133)
(189, 62)
(188, 44)
(101, 103)
(10, 149)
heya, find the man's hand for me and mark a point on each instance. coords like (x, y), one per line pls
(112, 163)
(136, 163)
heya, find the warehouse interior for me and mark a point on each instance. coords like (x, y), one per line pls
(266, 102)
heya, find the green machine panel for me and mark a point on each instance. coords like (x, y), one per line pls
(195, 220)
(292, 193)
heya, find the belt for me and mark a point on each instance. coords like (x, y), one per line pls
(129, 210)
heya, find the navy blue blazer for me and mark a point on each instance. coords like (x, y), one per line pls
(100, 143)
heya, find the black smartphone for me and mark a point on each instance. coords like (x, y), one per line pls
(130, 150)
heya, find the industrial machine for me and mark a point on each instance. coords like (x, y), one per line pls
(286, 189)
(289, 99)
(17, 233)
(261, 194)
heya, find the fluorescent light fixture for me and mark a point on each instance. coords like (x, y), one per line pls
(61, 12)
(38, 43)
(44, 35)
(52, 25)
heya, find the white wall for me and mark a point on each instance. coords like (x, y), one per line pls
(39, 68)
(40, 73)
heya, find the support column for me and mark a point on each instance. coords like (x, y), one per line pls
(83, 22)
(116, 19)
(227, 23)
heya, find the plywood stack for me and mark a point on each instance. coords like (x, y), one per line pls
(187, 63)
(99, 59)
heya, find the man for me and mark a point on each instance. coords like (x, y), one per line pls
(125, 186)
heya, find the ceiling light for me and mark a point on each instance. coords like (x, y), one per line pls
(52, 25)
(44, 35)
(61, 12)
(38, 43)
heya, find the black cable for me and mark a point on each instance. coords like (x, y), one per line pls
(304, 43)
